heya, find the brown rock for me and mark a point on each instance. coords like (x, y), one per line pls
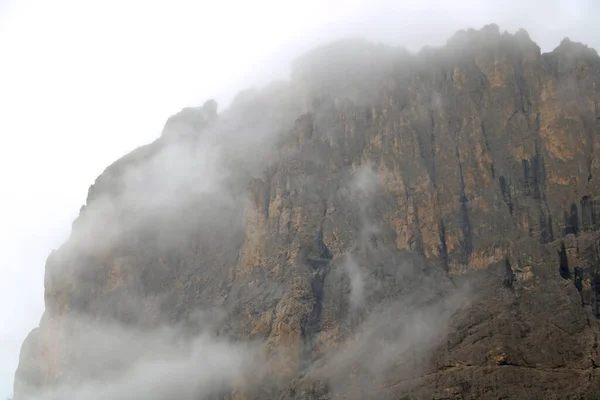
(389, 225)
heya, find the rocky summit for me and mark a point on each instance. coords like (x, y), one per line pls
(384, 225)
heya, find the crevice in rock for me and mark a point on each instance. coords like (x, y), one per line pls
(312, 324)
(595, 295)
(595, 206)
(564, 270)
(578, 278)
(321, 251)
(465, 222)
(586, 213)
(426, 140)
(320, 269)
(420, 246)
(546, 232)
(526, 173)
(443, 248)
(487, 146)
(538, 171)
(432, 140)
(591, 131)
(506, 196)
(523, 102)
(538, 184)
(572, 221)
(509, 275)
(511, 117)
(537, 177)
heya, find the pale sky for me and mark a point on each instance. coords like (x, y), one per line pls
(83, 82)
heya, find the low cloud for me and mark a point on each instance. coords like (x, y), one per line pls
(357, 282)
(113, 361)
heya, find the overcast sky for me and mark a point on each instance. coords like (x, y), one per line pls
(83, 82)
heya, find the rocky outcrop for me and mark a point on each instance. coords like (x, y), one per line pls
(385, 225)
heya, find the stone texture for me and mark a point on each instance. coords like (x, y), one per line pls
(461, 183)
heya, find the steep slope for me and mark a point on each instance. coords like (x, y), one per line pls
(385, 225)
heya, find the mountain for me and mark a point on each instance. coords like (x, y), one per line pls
(384, 225)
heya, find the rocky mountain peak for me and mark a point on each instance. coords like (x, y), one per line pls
(191, 120)
(384, 225)
(569, 49)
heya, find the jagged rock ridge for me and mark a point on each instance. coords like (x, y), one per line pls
(443, 203)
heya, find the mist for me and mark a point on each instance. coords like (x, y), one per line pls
(164, 362)
(187, 193)
(77, 96)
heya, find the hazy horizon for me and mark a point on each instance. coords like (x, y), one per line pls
(84, 83)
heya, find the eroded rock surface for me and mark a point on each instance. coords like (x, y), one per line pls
(386, 225)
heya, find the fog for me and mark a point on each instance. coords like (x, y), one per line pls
(152, 364)
(190, 187)
(84, 83)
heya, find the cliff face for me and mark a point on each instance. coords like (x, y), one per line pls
(384, 225)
